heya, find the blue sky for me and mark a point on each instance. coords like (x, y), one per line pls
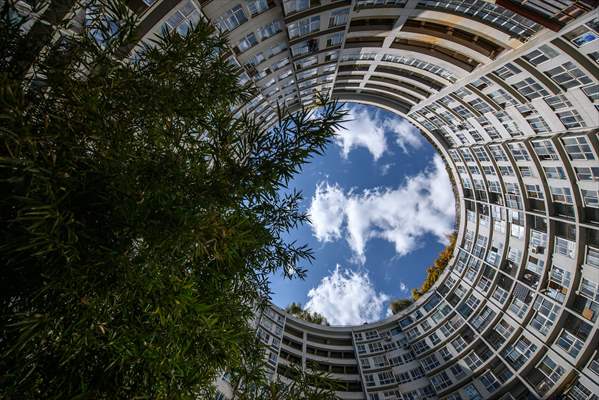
(381, 206)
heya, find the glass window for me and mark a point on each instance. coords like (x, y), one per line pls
(561, 194)
(231, 19)
(558, 102)
(568, 75)
(530, 89)
(304, 26)
(565, 247)
(587, 173)
(507, 70)
(545, 150)
(546, 313)
(270, 29)
(540, 55)
(257, 6)
(578, 148)
(519, 151)
(534, 192)
(554, 172)
(292, 6)
(248, 42)
(590, 197)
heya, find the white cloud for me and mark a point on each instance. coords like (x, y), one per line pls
(326, 212)
(366, 129)
(406, 134)
(362, 130)
(347, 297)
(403, 287)
(423, 204)
(386, 167)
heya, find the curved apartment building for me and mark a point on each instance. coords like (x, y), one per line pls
(508, 93)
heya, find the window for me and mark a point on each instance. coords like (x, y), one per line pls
(590, 198)
(545, 150)
(560, 276)
(417, 373)
(403, 377)
(457, 371)
(441, 381)
(540, 55)
(472, 393)
(503, 98)
(257, 6)
(506, 170)
(231, 19)
(490, 381)
(504, 328)
(292, 6)
(481, 106)
(304, 27)
(184, 18)
(561, 194)
(270, 29)
(379, 361)
(498, 153)
(526, 171)
(570, 343)
(592, 92)
(459, 344)
(335, 39)
(374, 347)
(558, 102)
(507, 70)
(430, 362)
(581, 36)
(386, 377)
(571, 119)
(578, 148)
(338, 17)
(551, 370)
(546, 312)
(554, 172)
(565, 247)
(518, 353)
(568, 76)
(592, 257)
(587, 173)
(519, 151)
(248, 42)
(369, 380)
(530, 88)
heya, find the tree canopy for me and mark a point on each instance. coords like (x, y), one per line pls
(141, 215)
(314, 317)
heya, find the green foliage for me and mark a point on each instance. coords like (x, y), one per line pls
(434, 272)
(398, 305)
(140, 218)
(314, 317)
(250, 381)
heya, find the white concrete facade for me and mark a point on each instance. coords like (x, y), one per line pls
(508, 93)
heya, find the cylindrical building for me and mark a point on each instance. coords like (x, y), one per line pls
(507, 91)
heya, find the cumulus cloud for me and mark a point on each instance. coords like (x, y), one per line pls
(385, 168)
(362, 130)
(403, 287)
(423, 204)
(406, 134)
(367, 129)
(326, 213)
(347, 297)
